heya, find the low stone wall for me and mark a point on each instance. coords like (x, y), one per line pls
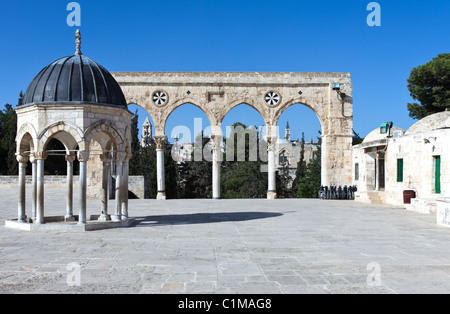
(11, 182)
(422, 205)
(136, 184)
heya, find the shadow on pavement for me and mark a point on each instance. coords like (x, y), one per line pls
(202, 218)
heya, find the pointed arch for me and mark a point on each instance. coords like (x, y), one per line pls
(187, 101)
(104, 132)
(70, 135)
(26, 138)
(248, 102)
(299, 101)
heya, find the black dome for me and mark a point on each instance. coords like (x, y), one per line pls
(74, 80)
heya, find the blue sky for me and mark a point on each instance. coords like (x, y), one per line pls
(241, 35)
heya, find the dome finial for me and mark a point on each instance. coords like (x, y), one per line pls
(78, 42)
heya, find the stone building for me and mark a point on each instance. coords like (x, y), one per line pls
(146, 133)
(386, 165)
(289, 150)
(78, 102)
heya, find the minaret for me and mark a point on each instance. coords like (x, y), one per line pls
(146, 133)
(287, 134)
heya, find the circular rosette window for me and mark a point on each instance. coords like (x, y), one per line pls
(272, 98)
(160, 98)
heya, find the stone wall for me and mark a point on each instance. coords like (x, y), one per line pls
(418, 151)
(136, 184)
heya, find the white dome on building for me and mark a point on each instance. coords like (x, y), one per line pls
(440, 120)
(375, 135)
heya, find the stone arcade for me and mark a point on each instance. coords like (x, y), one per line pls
(216, 93)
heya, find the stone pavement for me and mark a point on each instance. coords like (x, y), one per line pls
(230, 246)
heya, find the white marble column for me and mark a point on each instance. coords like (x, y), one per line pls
(271, 155)
(160, 175)
(106, 159)
(69, 188)
(33, 186)
(216, 159)
(124, 199)
(40, 158)
(120, 157)
(112, 170)
(83, 157)
(21, 208)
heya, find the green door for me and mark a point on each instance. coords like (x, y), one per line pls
(437, 175)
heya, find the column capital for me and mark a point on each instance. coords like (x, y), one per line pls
(83, 156)
(32, 158)
(160, 141)
(120, 156)
(271, 139)
(271, 142)
(70, 158)
(40, 155)
(217, 140)
(105, 157)
(23, 159)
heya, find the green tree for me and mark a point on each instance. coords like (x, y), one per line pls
(430, 85)
(135, 146)
(283, 182)
(243, 179)
(195, 176)
(146, 166)
(8, 131)
(170, 173)
(301, 166)
(308, 186)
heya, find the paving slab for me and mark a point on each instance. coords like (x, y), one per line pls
(229, 246)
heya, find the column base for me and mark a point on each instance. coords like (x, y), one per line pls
(161, 196)
(116, 218)
(104, 217)
(69, 218)
(271, 195)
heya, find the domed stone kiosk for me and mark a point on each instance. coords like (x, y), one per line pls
(78, 102)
